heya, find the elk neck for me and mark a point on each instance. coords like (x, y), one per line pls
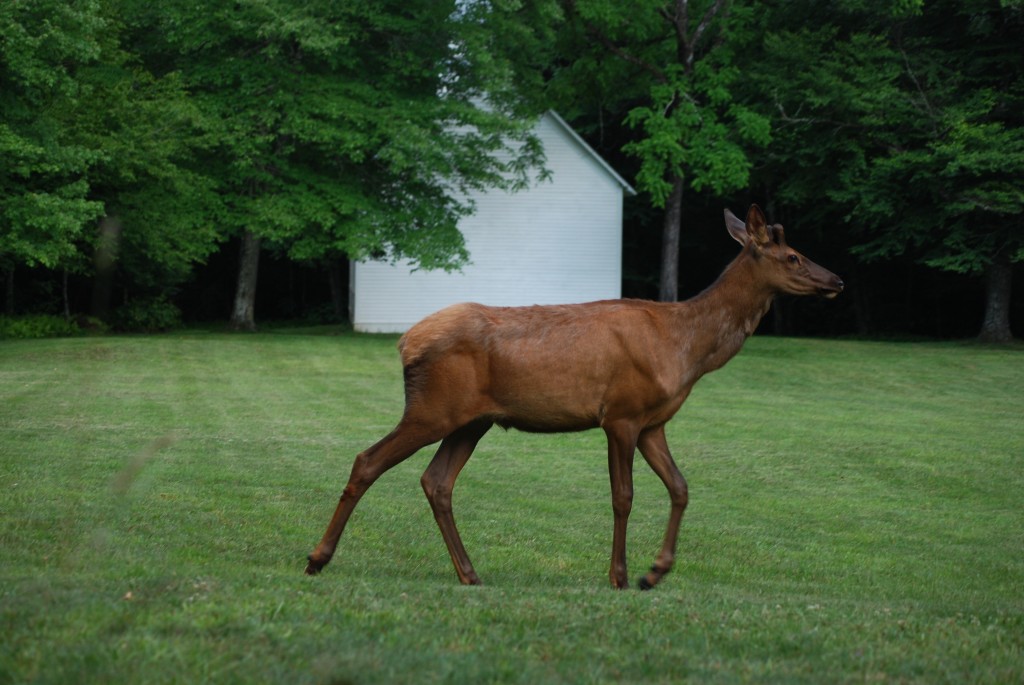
(714, 324)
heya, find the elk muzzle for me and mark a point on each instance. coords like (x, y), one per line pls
(827, 284)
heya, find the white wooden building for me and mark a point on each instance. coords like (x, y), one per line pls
(558, 241)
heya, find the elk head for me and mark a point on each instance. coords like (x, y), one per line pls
(782, 268)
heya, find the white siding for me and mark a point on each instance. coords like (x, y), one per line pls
(558, 241)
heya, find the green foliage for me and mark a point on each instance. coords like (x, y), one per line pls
(679, 92)
(343, 129)
(159, 495)
(911, 123)
(85, 131)
(44, 192)
(36, 326)
(149, 175)
(152, 315)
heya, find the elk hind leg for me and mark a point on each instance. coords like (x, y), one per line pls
(398, 445)
(438, 482)
(654, 448)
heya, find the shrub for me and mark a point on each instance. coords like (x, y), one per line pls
(36, 326)
(150, 315)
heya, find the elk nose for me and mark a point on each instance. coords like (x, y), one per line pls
(840, 284)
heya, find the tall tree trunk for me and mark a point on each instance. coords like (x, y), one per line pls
(996, 327)
(243, 313)
(668, 290)
(105, 263)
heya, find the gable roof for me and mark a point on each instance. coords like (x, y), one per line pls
(628, 189)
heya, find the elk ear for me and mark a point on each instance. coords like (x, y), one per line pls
(736, 228)
(757, 226)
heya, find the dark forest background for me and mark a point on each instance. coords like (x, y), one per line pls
(890, 300)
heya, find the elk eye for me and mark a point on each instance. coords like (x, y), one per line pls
(793, 259)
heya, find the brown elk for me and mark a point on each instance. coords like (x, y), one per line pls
(623, 365)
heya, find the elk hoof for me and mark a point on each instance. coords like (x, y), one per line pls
(314, 566)
(651, 579)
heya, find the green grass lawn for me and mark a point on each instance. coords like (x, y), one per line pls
(855, 516)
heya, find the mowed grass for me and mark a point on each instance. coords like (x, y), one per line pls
(855, 516)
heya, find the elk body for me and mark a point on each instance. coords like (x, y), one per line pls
(625, 366)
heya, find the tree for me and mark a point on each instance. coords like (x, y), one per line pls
(909, 121)
(44, 188)
(674, 64)
(87, 134)
(345, 128)
(961, 157)
(160, 209)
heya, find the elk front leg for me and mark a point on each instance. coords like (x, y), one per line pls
(621, 446)
(438, 482)
(398, 445)
(654, 449)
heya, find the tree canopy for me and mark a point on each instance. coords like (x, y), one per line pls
(46, 84)
(910, 123)
(671, 68)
